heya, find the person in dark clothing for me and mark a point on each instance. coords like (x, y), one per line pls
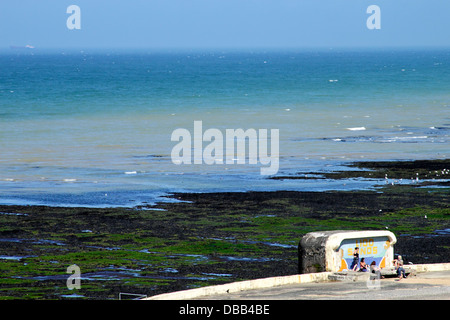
(355, 262)
(363, 266)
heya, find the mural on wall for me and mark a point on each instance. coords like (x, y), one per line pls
(371, 249)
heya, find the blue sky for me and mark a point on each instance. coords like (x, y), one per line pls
(224, 23)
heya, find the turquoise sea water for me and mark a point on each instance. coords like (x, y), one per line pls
(94, 128)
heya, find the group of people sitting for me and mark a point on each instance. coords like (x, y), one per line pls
(361, 265)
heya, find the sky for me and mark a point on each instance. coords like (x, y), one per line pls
(224, 23)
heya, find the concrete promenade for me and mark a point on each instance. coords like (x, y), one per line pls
(430, 282)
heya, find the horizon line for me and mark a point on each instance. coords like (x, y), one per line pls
(32, 48)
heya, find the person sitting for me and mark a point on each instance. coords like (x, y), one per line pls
(363, 266)
(398, 263)
(375, 269)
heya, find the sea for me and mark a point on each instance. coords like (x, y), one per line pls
(94, 128)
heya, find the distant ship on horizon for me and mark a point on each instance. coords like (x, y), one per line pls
(28, 46)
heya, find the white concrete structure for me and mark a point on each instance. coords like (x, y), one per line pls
(272, 282)
(332, 251)
(242, 285)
